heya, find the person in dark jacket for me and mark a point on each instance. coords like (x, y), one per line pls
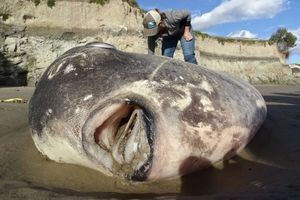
(172, 26)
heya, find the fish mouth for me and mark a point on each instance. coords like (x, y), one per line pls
(121, 134)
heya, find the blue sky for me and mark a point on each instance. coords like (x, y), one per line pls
(239, 18)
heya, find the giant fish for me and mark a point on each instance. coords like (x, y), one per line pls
(140, 117)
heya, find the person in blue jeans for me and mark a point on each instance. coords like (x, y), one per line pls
(172, 26)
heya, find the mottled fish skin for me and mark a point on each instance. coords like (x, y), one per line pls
(140, 117)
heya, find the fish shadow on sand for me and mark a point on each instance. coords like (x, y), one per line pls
(269, 163)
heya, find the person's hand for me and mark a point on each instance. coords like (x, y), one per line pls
(188, 36)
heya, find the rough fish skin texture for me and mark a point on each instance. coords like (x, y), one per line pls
(140, 117)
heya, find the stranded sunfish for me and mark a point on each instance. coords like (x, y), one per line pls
(140, 117)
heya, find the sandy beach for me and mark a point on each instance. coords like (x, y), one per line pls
(269, 167)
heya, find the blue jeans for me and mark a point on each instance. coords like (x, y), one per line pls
(188, 48)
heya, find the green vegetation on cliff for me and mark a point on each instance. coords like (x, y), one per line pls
(223, 40)
(202, 35)
(4, 16)
(51, 3)
(132, 3)
(101, 2)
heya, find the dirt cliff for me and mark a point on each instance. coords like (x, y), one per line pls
(32, 35)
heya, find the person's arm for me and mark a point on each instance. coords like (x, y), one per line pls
(151, 45)
(187, 25)
(181, 16)
(187, 33)
(184, 16)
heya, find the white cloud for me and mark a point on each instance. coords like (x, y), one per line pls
(196, 13)
(242, 34)
(296, 49)
(239, 10)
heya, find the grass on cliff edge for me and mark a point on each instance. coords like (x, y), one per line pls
(50, 3)
(223, 40)
(132, 3)
(101, 2)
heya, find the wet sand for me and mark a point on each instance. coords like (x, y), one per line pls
(269, 168)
